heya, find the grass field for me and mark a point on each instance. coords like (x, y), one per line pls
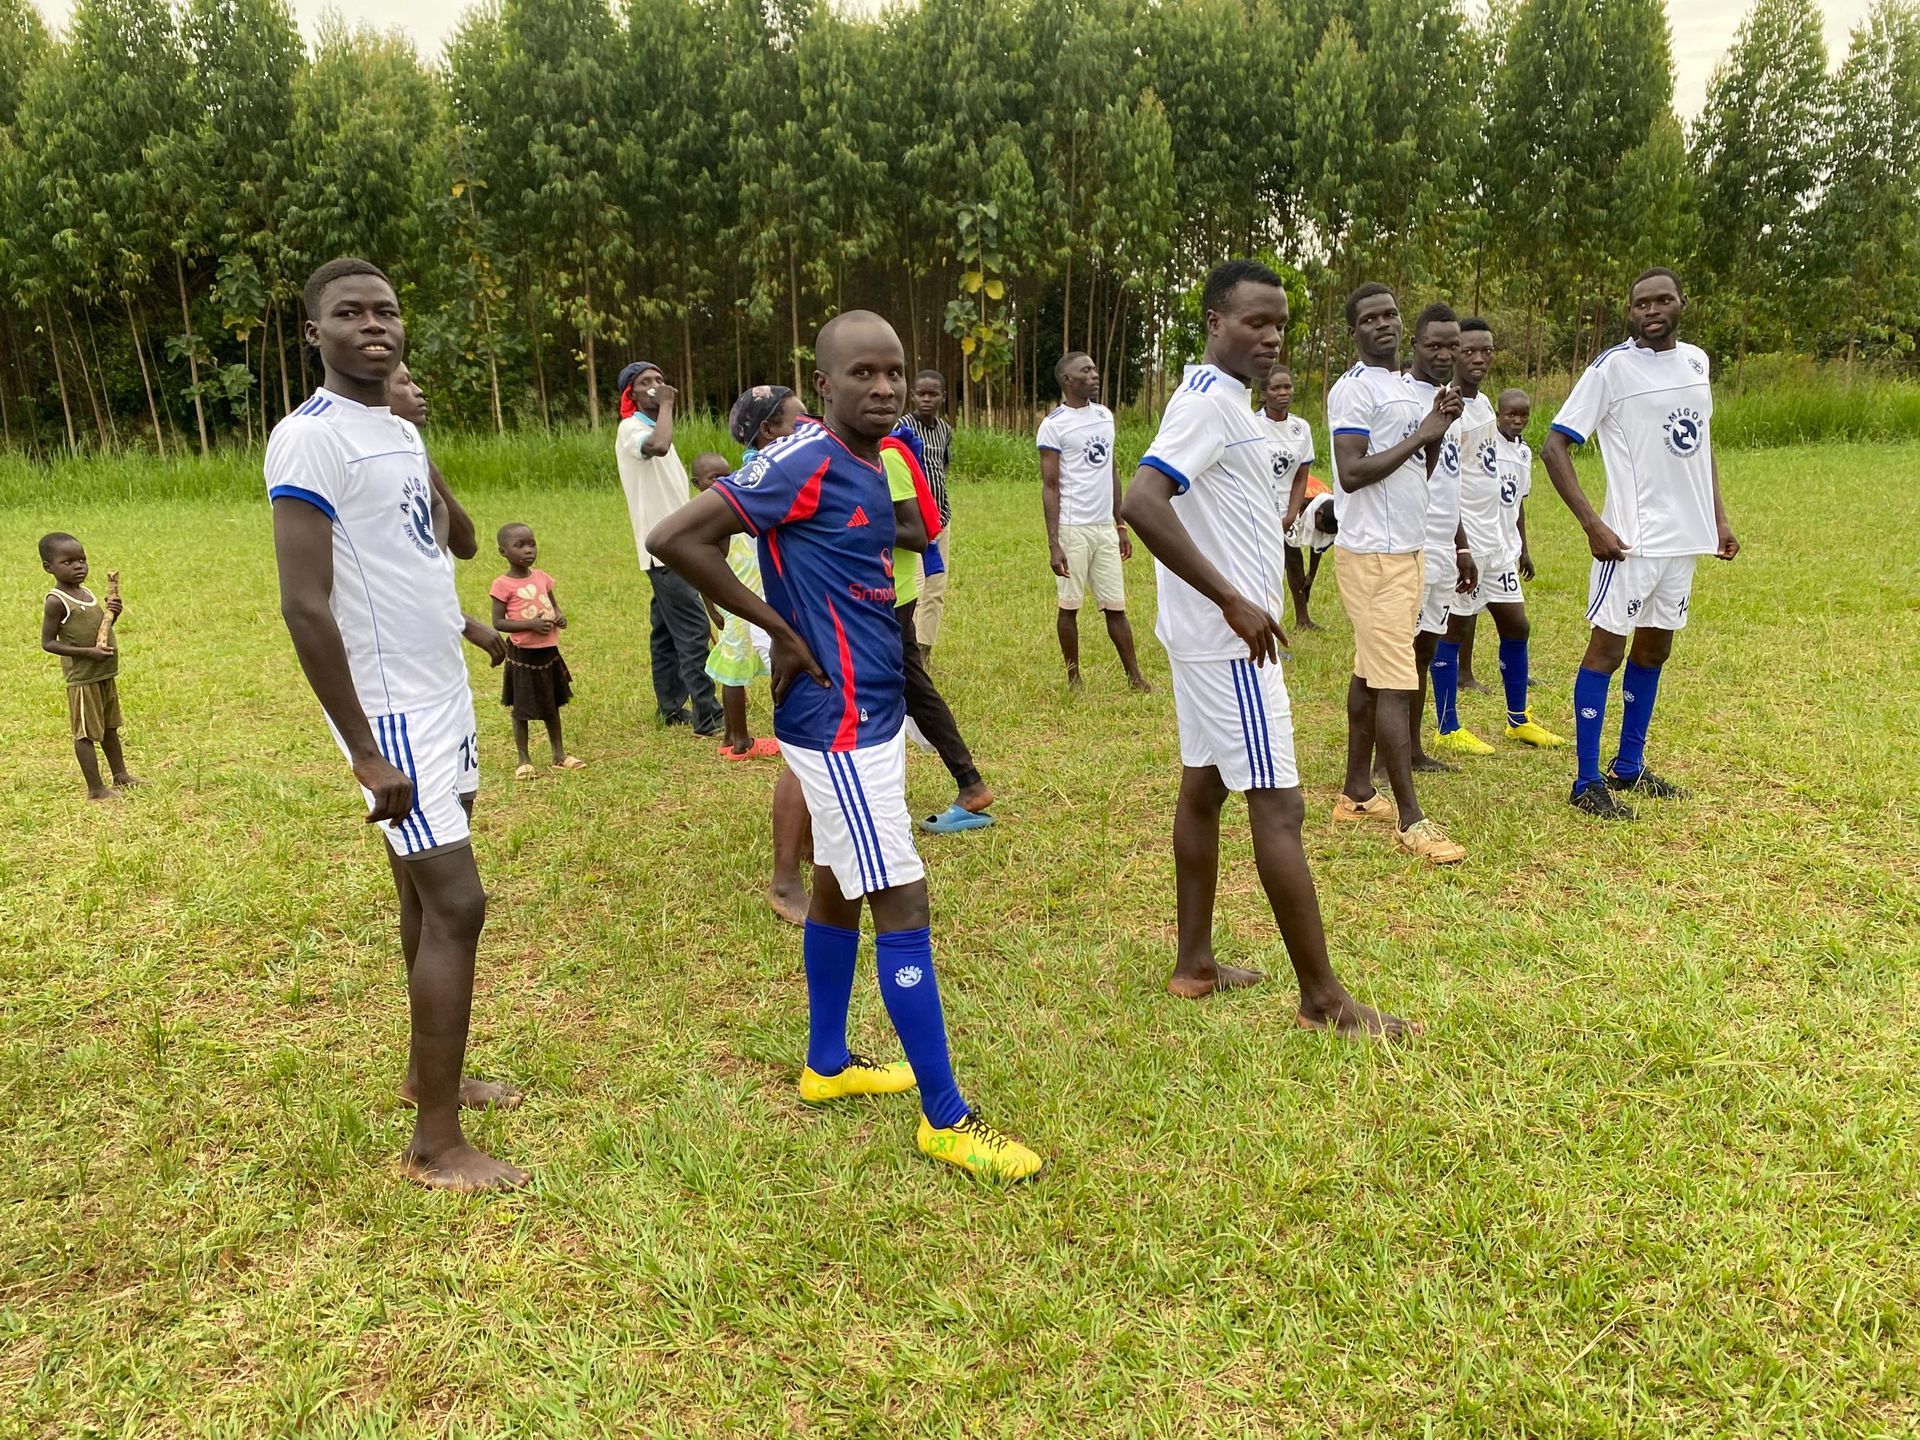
(1651, 1171)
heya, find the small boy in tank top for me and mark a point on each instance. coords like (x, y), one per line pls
(71, 624)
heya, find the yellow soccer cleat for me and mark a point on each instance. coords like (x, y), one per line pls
(1460, 742)
(979, 1149)
(1538, 736)
(860, 1076)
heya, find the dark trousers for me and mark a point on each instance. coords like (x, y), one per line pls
(679, 644)
(927, 710)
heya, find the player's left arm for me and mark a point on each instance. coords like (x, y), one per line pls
(559, 615)
(484, 638)
(1119, 524)
(1728, 545)
(1296, 496)
(1520, 525)
(451, 522)
(1148, 508)
(1468, 572)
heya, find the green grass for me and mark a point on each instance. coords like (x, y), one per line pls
(1651, 1172)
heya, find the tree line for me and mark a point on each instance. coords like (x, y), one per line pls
(701, 182)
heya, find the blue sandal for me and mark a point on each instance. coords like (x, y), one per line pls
(955, 819)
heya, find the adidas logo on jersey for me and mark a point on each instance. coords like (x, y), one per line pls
(858, 518)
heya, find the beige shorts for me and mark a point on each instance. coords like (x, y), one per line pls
(1093, 563)
(1381, 595)
(93, 709)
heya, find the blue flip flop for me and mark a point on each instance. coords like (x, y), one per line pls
(953, 820)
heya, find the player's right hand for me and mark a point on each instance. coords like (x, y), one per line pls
(1446, 409)
(1604, 544)
(1057, 561)
(790, 660)
(1260, 630)
(392, 790)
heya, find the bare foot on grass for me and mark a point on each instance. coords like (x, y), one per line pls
(1349, 1019)
(1198, 984)
(789, 905)
(464, 1168)
(127, 782)
(474, 1095)
(1138, 683)
(1429, 765)
(103, 794)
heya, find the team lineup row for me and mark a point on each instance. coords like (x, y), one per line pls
(368, 598)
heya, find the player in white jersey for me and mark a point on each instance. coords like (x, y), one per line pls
(1305, 500)
(1649, 403)
(1201, 502)
(368, 598)
(1079, 497)
(1486, 521)
(1385, 444)
(1448, 562)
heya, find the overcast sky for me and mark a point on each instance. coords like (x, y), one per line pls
(1701, 30)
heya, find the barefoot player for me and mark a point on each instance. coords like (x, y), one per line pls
(1201, 502)
(367, 595)
(1649, 403)
(819, 505)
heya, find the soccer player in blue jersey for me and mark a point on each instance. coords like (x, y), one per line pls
(1649, 403)
(1202, 503)
(819, 505)
(368, 598)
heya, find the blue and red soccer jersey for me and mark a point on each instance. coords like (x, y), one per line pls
(823, 518)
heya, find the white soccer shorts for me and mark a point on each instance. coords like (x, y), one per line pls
(1624, 595)
(1234, 716)
(858, 800)
(1499, 584)
(1436, 604)
(437, 747)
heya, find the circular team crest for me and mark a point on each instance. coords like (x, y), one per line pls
(1097, 452)
(1685, 431)
(416, 515)
(1509, 491)
(1450, 457)
(1489, 457)
(1282, 464)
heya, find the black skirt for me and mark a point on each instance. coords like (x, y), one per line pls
(535, 682)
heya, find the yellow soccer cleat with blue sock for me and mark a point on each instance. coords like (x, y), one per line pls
(979, 1149)
(1460, 742)
(859, 1076)
(1538, 736)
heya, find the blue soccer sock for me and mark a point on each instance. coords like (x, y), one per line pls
(1589, 715)
(1445, 671)
(1639, 684)
(1513, 679)
(829, 953)
(905, 962)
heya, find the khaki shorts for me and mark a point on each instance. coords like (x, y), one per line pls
(94, 709)
(1093, 563)
(1381, 595)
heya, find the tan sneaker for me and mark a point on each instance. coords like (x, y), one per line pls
(1380, 807)
(1428, 841)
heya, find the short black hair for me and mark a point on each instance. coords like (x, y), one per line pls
(1229, 276)
(334, 270)
(1512, 393)
(1277, 366)
(1438, 313)
(52, 541)
(500, 535)
(725, 464)
(1475, 322)
(931, 375)
(1364, 292)
(1060, 365)
(1656, 270)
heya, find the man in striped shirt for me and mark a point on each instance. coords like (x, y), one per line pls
(926, 418)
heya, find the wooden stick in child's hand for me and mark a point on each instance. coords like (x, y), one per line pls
(106, 615)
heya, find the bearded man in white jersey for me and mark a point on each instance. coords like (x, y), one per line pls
(368, 599)
(1202, 503)
(1649, 403)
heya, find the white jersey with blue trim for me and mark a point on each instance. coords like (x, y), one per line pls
(1082, 436)
(393, 597)
(1443, 490)
(1515, 475)
(1652, 412)
(1222, 458)
(1479, 440)
(1388, 517)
